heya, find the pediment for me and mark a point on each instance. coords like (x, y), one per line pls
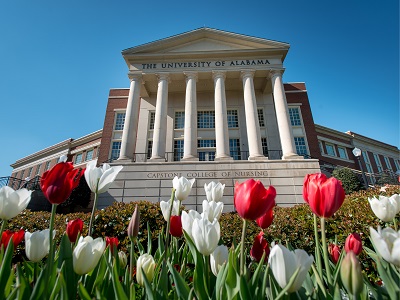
(205, 40)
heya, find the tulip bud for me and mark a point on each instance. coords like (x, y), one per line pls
(87, 254)
(175, 228)
(385, 208)
(206, 235)
(324, 195)
(218, 258)
(214, 191)
(37, 244)
(334, 252)
(252, 200)
(74, 227)
(182, 187)
(133, 227)
(165, 207)
(260, 246)
(212, 210)
(350, 272)
(266, 220)
(16, 237)
(146, 263)
(188, 219)
(387, 244)
(353, 243)
(13, 202)
(123, 259)
(112, 242)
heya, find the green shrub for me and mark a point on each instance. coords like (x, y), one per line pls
(291, 224)
(350, 182)
(387, 179)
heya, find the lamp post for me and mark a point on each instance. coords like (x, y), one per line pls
(357, 153)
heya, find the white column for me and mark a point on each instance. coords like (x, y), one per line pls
(282, 116)
(190, 132)
(160, 121)
(221, 120)
(252, 124)
(128, 143)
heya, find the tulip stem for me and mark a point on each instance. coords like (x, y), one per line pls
(131, 260)
(50, 259)
(92, 215)
(242, 257)
(169, 221)
(317, 247)
(325, 250)
(395, 223)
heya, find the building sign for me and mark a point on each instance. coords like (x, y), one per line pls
(209, 174)
(207, 64)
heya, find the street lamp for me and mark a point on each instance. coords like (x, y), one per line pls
(357, 153)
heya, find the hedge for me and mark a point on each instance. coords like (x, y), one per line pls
(291, 224)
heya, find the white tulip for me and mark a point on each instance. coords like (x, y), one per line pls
(387, 244)
(284, 264)
(182, 187)
(212, 210)
(214, 191)
(123, 259)
(165, 207)
(146, 263)
(187, 221)
(384, 208)
(13, 202)
(396, 198)
(100, 179)
(87, 254)
(37, 244)
(206, 235)
(218, 258)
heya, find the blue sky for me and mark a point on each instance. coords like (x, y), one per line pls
(58, 60)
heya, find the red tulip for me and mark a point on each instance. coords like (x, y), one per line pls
(266, 220)
(252, 200)
(324, 195)
(334, 252)
(112, 241)
(16, 237)
(260, 246)
(58, 183)
(353, 243)
(175, 228)
(73, 228)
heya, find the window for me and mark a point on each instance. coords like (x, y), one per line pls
(206, 144)
(178, 150)
(179, 120)
(233, 121)
(321, 147)
(294, 115)
(301, 147)
(47, 166)
(206, 155)
(30, 172)
(152, 120)
(264, 146)
(89, 155)
(22, 174)
(330, 149)
(119, 121)
(78, 158)
(38, 169)
(206, 119)
(378, 163)
(397, 164)
(387, 162)
(149, 149)
(342, 152)
(115, 149)
(367, 162)
(234, 149)
(260, 113)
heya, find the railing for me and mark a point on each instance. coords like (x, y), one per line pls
(16, 183)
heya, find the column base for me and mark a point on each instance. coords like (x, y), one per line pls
(223, 158)
(157, 159)
(190, 158)
(125, 159)
(259, 157)
(292, 156)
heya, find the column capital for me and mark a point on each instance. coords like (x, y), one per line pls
(274, 72)
(247, 73)
(163, 76)
(218, 74)
(135, 75)
(191, 75)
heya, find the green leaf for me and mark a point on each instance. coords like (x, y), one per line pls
(24, 290)
(65, 259)
(5, 269)
(288, 286)
(149, 291)
(83, 294)
(181, 286)
(118, 289)
(244, 289)
(149, 241)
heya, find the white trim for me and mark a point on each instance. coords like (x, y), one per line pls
(337, 158)
(321, 138)
(297, 91)
(85, 148)
(42, 160)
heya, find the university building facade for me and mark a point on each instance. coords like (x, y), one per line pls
(212, 105)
